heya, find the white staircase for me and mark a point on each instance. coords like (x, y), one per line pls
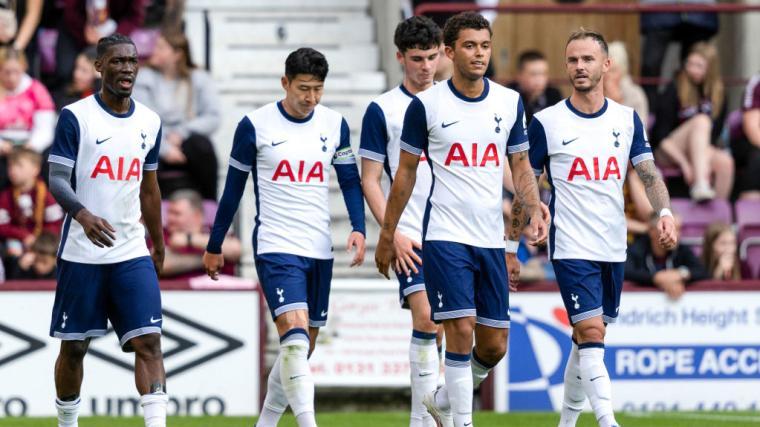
(248, 41)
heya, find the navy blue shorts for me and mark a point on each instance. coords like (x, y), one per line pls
(293, 282)
(408, 285)
(466, 281)
(89, 295)
(590, 288)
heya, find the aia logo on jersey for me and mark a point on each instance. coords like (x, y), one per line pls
(475, 159)
(120, 170)
(579, 169)
(298, 173)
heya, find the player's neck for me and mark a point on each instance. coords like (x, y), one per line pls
(117, 104)
(588, 102)
(291, 112)
(467, 87)
(412, 88)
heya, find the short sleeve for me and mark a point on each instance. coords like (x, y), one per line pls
(374, 138)
(414, 135)
(752, 95)
(66, 140)
(344, 155)
(640, 148)
(151, 160)
(518, 136)
(539, 151)
(243, 152)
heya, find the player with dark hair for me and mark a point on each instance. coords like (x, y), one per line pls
(465, 127)
(103, 174)
(417, 40)
(290, 146)
(585, 144)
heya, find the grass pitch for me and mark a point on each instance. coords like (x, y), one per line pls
(396, 419)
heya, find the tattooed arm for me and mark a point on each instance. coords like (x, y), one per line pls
(526, 202)
(658, 196)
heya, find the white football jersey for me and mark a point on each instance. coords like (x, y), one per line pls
(586, 158)
(109, 153)
(380, 141)
(291, 160)
(465, 141)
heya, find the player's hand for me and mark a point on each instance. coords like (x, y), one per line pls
(356, 239)
(97, 229)
(384, 253)
(513, 271)
(547, 217)
(157, 255)
(538, 229)
(666, 229)
(405, 255)
(213, 264)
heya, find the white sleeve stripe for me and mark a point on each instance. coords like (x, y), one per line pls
(61, 160)
(240, 166)
(349, 161)
(369, 154)
(518, 148)
(411, 149)
(150, 166)
(641, 157)
(538, 171)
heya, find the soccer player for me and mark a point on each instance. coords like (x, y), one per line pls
(103, 173)
(465, 126)
(585, 143)
(290, 146)
(417, 40)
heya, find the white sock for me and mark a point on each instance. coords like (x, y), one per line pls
(154, 409)
(275, 401)
(575, 397)
(458, 375)
(596, 383)
(480, 371)
(68, 412)
(424, 364)
(295, 376)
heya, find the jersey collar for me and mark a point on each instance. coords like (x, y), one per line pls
(461, 96)
(113, 113)
(405, 90)
(291, 118)
(584, 115)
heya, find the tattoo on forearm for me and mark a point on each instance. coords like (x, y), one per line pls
(656, 191)
(526, 186)
(519, 219)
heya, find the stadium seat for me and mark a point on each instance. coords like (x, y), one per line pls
(748, 230)
(696, 217)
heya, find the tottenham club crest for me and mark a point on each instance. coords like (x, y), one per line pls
(143, 136)
(616, 134)
(324, 142)
(497, 119)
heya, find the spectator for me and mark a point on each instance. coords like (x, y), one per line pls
(532, 83)
(745, 143)
(650, 265)
(690, 115)
(719, 252)
(659, 29)
(618, 85)
(39, 262)
(26, 208)
(186, 236)
(19, 20)
(84, 82)
(187, 102)
(27, 114)
(86, 21)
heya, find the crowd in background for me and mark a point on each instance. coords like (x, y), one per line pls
(47, 61)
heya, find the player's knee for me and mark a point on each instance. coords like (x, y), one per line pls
(147, 347)
(590, 333)
(493, 352)
(74, 351)
(460, 328)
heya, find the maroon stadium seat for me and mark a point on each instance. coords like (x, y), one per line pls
(748, 229)
(696, 217)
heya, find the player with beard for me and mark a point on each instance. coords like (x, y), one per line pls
(585, 143)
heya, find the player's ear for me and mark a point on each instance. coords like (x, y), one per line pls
(99, 65)
(285, 82)
(449, 50)
(400, 57)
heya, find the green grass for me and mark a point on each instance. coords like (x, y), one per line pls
(395, 419)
